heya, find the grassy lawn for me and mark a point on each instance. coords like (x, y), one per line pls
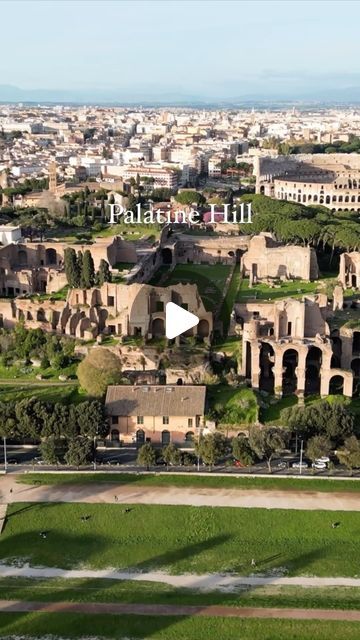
(182, 539)
(19, 373)
(210, 280)
(231, 346)
(263, 292)
(229, 300)
(129, 592)
(66, 625)
(183, 480)
(65, 392)
(231, 397)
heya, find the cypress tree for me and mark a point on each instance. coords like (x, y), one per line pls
(71, 267)
(104, 273)
(88, 270)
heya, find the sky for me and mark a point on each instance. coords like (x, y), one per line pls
(209, 49)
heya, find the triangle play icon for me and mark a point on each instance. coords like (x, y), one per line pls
(178, 320)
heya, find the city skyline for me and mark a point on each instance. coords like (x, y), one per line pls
(157, 52)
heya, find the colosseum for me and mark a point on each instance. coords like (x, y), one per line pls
(332, 180)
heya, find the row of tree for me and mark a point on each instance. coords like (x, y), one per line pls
(34, 419)
(80, 269)
(313, 225)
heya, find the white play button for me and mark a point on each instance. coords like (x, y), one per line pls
(178, 320)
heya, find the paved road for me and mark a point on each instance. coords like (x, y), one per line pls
(10, 606)
(199, 582)
(131, 494)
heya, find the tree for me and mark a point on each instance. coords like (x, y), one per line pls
(49, 450)
(349, 454)
(31, 415)
(91, 419)
(266, 442)
(211, 448)
(104, 273)
(71, 268)
(80, 269)
(88, 270)
(189, 198)
(146, 456)
(171, 455)
(242, 451)
(99, 369)
(318, 446)
(79, 453)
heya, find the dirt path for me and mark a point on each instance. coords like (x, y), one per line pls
(10, 606)
(192, 496)
(198, 582)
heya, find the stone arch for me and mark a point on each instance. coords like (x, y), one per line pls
(166, 256)
(337, 351)
(267, 360)
(50, 256)
(290, 361)
(203, 329)
(165, 437)
(336, 385)
(355, 367)
(356, 343)
(179, 382)
(85, 324)
(40, 315)
(189, 436)
(313, 364)
(158, 328)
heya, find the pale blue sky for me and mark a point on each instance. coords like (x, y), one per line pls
(204, 48)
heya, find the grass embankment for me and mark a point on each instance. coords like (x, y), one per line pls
(230, 297)
(130, 592)
(200, 481)
(182, 539)
(61, 392)
(210, 280)
(66, 625)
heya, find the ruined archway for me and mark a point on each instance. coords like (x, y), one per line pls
(158, 328)
(267, 360)
(336, 385)
(166, 256)
(203, 329)
(312, 371)
(356, 343)
(50, 257)
(289, 378)
(355, 367)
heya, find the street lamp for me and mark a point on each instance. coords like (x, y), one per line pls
(301, 455)
(5, 455)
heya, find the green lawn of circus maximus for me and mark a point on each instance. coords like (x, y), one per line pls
(182, 539)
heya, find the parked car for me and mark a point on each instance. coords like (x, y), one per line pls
(325, 459)
(299, 465)
(282, 465)
(319, 464)
(12, 461)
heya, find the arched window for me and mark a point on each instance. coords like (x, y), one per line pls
(189, 437)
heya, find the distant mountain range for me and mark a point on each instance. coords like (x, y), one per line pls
(161, 97)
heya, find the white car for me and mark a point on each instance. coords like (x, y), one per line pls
(325, 459)
(319, 464)
(299, 465)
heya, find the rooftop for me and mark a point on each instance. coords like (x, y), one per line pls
(155, 400)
